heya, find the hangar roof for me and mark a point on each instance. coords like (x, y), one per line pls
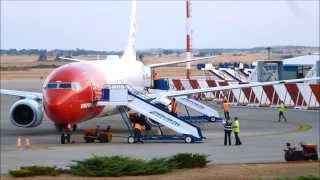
(302, 60)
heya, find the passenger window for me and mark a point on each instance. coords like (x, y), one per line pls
(52, 86)
(73, 86)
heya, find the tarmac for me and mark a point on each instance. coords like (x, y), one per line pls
(263, 137)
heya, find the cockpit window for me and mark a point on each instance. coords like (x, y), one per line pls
(64, 85)
(52, 86)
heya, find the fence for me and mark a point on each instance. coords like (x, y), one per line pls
(296, 95)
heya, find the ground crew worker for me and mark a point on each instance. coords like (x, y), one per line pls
(143, 121)
(133, 116)
(236, 130)
(154, 75)
(137, 128)
(227, 132)
(173, 104)
(282, 109)
(226, 108)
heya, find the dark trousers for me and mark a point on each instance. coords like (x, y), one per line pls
(226, 114)
(137, 135)
(174, 114)
(227, 134)
(238, 142)
(282, 115)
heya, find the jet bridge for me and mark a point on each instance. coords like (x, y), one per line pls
(123, 95)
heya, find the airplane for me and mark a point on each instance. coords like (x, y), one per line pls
(70, 92)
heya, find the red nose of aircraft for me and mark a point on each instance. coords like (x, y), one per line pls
(60, 106)
(68, 95)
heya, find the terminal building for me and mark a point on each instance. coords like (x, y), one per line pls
(292, 68)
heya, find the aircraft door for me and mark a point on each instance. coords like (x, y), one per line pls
(147, 76)
(96, 93)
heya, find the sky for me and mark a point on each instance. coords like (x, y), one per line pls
(104, 25)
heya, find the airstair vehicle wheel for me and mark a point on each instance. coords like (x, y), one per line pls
(130, 139)
(212, 119)
(188, 139)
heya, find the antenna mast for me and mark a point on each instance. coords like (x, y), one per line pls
(188, 37)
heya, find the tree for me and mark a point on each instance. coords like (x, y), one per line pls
(42, 55)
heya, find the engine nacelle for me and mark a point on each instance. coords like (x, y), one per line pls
(26, 113)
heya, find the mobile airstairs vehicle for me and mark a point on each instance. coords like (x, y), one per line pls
(127, 98)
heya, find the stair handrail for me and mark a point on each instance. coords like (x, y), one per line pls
(136, 92)
(148, 102)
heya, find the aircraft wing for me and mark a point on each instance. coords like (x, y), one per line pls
(179, 61)
(22, 94)
(223, 88)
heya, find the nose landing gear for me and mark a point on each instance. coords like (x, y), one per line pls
(66, 132)
(65, 138)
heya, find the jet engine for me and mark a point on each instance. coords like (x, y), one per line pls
(26, 113)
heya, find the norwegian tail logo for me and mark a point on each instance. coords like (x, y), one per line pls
(130, 51)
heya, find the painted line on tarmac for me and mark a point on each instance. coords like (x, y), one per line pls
(299, 127)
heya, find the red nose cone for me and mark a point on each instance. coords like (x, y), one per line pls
(60, 107)
(70, 105)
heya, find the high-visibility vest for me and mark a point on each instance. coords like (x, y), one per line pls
(137, 126)
(228, 126)
(236, 126)
(282, 108)
(226, 106)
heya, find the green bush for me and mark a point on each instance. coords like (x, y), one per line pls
(159, 166)
(35, 171)
(119, 166)
(300, 178)
(309, 178)
(188, 160)
(99, 166)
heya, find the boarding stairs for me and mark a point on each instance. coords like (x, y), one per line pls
(235, 74)
(124, 95)
(229, 73)
(244, 73)
(209, 114)
(220, 74)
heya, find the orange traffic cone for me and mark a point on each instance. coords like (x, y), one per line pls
(28, 143)
(19, 144)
